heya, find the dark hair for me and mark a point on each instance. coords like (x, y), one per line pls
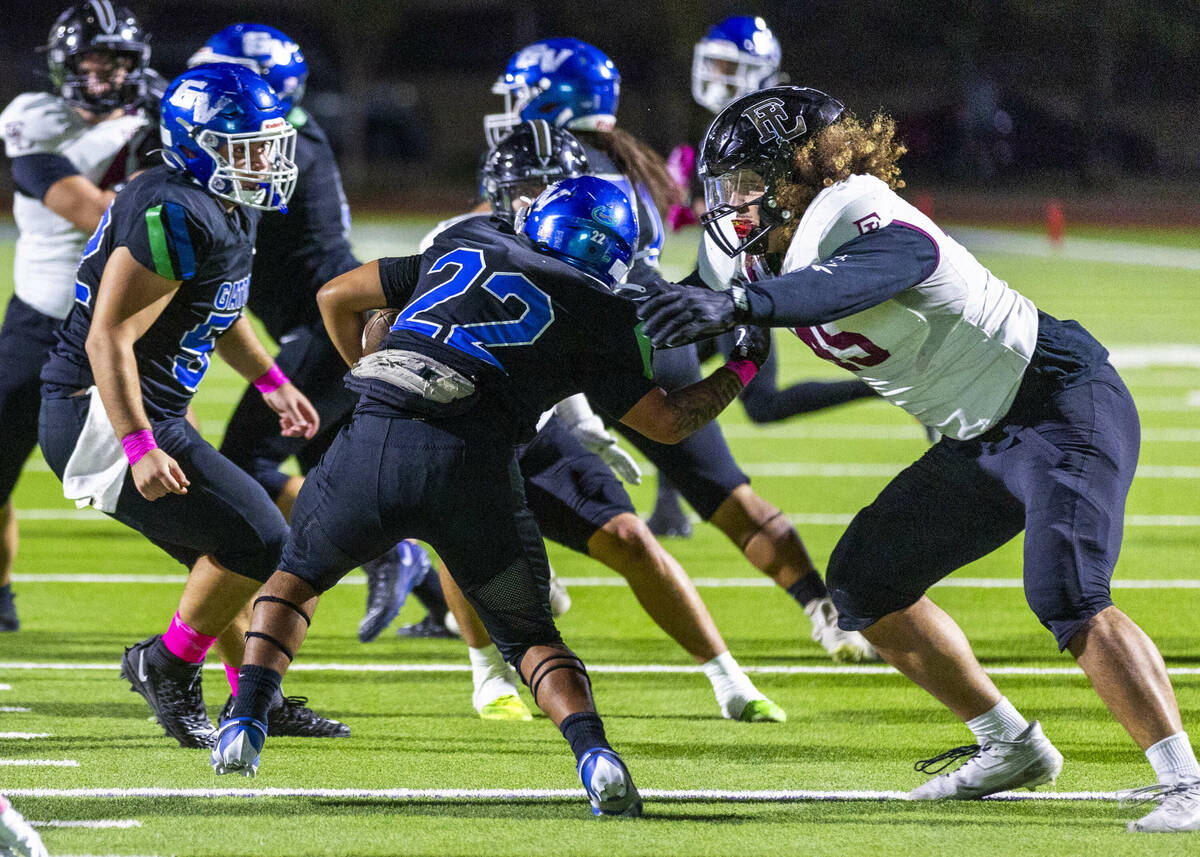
(641, 164)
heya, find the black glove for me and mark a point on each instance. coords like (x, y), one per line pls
(751, 343)
(678, 314)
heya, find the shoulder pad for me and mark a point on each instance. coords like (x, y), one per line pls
(433, 233)
(35, 123)
(850, 208)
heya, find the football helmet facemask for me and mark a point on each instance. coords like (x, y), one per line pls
(263, 49)
(586, 222)
(96, 54)
(222, 124)
(736, 57)
(567, 82)
(747, 152)
(523, 163)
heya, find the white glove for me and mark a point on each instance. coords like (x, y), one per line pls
(581, 421)
(17, 838)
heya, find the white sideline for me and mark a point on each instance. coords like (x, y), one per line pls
(97, 824)
(634, 669)
(771, 796)
(38, 763)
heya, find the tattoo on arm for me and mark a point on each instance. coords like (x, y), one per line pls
(698, 404)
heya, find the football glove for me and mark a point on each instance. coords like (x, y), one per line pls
(577, 415)
(751, 343)
(678, 314)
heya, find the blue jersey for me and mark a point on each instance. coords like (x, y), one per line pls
(298, 252)
(528, 329)
(175, 228)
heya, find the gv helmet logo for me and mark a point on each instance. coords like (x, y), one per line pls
(544, 57)
(771, 120)
(191, 96)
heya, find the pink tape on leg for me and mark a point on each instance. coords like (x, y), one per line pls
(185, 642)
(231, 673)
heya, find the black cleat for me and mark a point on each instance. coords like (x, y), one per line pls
(8, 612)
(174, 694)
(293, 718)
(427, 627)
(670, 521)
(385, 594)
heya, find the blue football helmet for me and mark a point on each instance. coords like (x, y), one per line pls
(737, 56)
(586, 222)
(222, 125)
(263, 49)
(567, 82)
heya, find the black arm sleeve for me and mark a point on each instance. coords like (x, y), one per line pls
(862, 273)
(398, 276)
(33, 174)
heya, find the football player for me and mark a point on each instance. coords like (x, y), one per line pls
(1039, 432)
(575, 497)
(161, 285)
(295, 254)
(70, 149)
(577, 87)
(496, 327)
(17, 838)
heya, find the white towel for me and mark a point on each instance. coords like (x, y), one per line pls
(96, 469)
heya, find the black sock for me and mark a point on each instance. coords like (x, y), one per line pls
(429, 593)
(6, 594)
(257, 689)
(164, 660)
(584, 731)
(668, 497)
(808, 588)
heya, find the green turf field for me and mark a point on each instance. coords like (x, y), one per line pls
(853, 730)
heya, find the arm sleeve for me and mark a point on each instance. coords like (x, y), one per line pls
(33, 174)
(617, 380)
(169, 240)
(862, 273)
(398, 275)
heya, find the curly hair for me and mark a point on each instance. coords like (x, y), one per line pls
(845, 148)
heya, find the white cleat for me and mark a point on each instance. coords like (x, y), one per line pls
(609, 786)
(560, 599)
(997, 766)
(1178, 810)
(239, 742)
(842, 646)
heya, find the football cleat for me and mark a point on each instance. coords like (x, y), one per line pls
(609, 786)
(997, 766)
(238, 744)
(174, 695)
(762, 711)
(560, 599)
(385, 594)
(669, 520)
(507, 707)
(1178, 810)
(842, 646)
(8, 612)
(429, 628)
(294, 719)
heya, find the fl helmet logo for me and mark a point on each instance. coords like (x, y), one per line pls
(603, 215)
(771, 120)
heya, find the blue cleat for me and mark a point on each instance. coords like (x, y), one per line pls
(609, 786)
(390, 578)
(238, 743)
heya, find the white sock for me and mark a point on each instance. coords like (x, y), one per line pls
(491, 675)
(1002, 722)
(1173, 759)
(730, 684)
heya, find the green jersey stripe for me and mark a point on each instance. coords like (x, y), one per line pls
(163, 265)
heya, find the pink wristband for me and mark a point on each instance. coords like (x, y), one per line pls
(137, 444)
(271, 381)
(744, 369)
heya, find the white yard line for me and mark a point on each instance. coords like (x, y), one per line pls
(909, 434)
(815, 469)
(1076, 249)
(5, 687)
(38, 763)
(450, 794)
(22, 736)
(13, 709)
(97, 823)
(635, 669)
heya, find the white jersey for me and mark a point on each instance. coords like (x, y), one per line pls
(951, 350)
(49, 246)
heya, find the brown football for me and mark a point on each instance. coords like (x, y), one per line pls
(376, 329)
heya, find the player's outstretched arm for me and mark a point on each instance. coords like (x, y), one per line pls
(670, 417)
(240, 347)
(129, 299)
(79, 201)
(342, 302)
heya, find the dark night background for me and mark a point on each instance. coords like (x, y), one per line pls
(1000, 101)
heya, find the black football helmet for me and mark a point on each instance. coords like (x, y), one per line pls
(533, 155)
(747, 150)
(98, 26)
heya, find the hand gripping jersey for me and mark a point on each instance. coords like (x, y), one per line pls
(181, 232)
(527, 329)
(950, 349)
(48, 140)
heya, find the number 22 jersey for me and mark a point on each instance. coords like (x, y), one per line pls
(175, 228)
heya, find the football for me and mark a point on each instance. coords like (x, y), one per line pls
(376, 329)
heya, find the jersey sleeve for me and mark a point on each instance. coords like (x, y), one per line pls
(34, 174)
(398, 276)
(35, 124)
(169, 240)
(617, 381)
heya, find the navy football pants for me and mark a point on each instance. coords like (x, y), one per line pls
(25, 342)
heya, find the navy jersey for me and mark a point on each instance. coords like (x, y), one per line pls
(181, 232)
(298, 252)
(528, 329)
(644, 268)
